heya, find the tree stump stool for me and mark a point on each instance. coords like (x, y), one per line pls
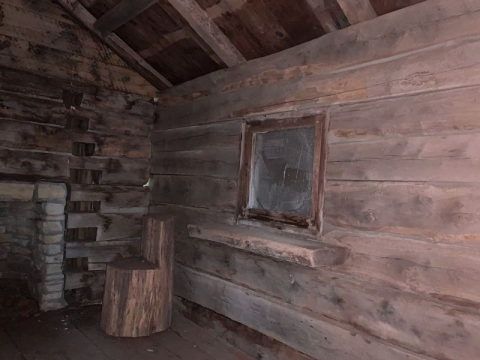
(138, 291)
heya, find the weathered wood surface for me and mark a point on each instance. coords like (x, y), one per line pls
(208, 31)
(388, 260)
(401, 194)
(447, 158)
(410, 29)
(21, 19)
(109, 226)
(197, 137)
(123, 12)
(86, 19)
(443, 212)
(222, 163)
(435, 113)
(30, 163)
(115, 171)
(251, 342)
(28, 136)
(397, 76)
(375, 308)
(208, 341)
(314, 335)
(102, 251)
(113, 198)
(274, 244)
(40, 131)
(130, 301)
(54, 113)
(26, 48)
(357, 11)
(138, 291)
(194, 191)
(83, 279)
(323, 15)
(94, 98)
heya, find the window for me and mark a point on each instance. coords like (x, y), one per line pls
(282, 171)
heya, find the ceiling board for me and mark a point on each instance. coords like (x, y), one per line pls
(165, 39)
(383, 7)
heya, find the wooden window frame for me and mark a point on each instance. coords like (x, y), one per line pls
(249, 129)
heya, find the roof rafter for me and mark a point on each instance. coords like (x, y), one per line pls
(208, 31)
(122, 13)
(323, 15)
(82, 15)
(357, 11)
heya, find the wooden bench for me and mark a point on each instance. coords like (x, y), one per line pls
(138, 291)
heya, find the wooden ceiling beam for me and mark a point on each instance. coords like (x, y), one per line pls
(357, 11)
(82, 15)
(122, 13)
(323, 15)
(204, 26)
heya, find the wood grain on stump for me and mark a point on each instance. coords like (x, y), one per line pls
(138, 291)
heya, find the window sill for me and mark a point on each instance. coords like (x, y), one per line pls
(274, 244)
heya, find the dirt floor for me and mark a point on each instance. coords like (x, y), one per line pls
(15, 301)
(75, 334)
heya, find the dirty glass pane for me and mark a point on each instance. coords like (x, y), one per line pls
(282, 167)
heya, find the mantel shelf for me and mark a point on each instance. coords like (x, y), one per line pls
(272, 244)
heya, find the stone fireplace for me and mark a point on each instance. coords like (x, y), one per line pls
(32, 227)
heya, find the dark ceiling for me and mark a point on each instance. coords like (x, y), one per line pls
(257, 28)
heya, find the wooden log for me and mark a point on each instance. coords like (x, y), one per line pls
(110, 226)
(138, 291)
(395, 76)
(195, 191)
(115, 171)
(112, 198)
(377, 306)
(54, 113)
(29, 163)
(314, 335)
(452, 158)
(197, 137)
(118, 103)
(444, 212)
(28, 136)
(221, 163)
(436, 113)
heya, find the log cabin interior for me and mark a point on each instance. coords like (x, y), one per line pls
(239, 179)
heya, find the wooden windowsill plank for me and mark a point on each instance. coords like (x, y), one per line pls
(272, 244)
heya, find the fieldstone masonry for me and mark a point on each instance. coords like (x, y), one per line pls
(32, 227)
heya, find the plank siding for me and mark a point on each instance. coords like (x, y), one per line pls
(402, 192)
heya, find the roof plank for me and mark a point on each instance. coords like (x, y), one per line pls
(357, 11)
(82, 15)
(123, 12)
(323, 15)
(208, 31)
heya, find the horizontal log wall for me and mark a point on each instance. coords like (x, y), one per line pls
(39, 37)
(61, 88)
(402, 187)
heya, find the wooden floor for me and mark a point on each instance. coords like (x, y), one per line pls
(76, 335)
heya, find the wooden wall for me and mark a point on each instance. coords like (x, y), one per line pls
(59, 89)
(402, 187)
(39, 37)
